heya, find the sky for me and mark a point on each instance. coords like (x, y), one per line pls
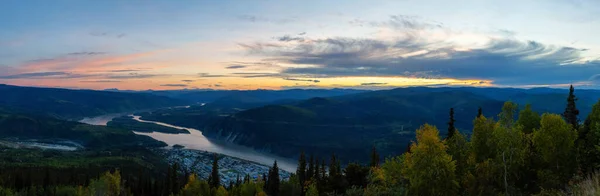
(268, 44)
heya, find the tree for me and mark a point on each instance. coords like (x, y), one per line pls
(195, 187)
(356, 175)
(511, 146)
(555, 142)
(428, 168)
(529, 119)
(479, 112)
(571, 110)
(451, 128)
(458, 148)
(301, 171)
(374, 158)
(273, 182)
(481, 139)
(588, 153)
(215, 179)
(174, 178)
(311, 168)
(336, 182)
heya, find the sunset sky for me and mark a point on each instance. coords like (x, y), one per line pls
(138, 45)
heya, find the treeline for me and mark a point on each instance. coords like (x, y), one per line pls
(514, 153)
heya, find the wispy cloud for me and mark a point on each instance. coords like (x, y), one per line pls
(235, 67)
(373, 84)
(207, 75)
(303, 80)
(174, 85)
(101, 81)
(44, 75)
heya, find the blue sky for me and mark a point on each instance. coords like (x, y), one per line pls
(299, 44)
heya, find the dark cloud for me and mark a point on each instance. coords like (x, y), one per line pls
(304, 80)
(372, 84)
(44, 75)
(505, 61)
(302, 33)
(101, 81)
(174, 85)
(188, 81)
(256, 75)
(288, 38)
(235, 67)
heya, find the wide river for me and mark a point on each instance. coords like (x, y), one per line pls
(195, 140)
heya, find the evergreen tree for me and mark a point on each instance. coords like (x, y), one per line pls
(215, 179)
(571, 110)
(479, 112)
(374, 158)
(174, 179)
(335, 175)
(301, 171)
(356, 175)
(273, 182)
(317, 171)
(451, 128)
(311, 168)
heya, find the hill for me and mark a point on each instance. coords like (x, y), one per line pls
(75, 104)
(24, 127)
(348, 125)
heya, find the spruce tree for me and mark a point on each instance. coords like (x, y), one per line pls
(273, 182)
(451, 128)
(311, 168)
(479, 112)
(301, 171)
(215, 179)
(374, 158)
(335, 175)
(174, 179)
(571, 110)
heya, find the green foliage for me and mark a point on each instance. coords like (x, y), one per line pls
(529, 119)
(356, 175)
(374, 158)
(273, 182)
(588, 140)
(555, 142)
(458, 148)
(428, 168)
(195, 187)
(482, 139)
(512, 148)
(571, 110)
(215, 179)
(451, 128)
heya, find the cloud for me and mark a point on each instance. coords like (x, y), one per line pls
(405, 22)
(174, 85)
(288, 38)
(44, 75)
(372, 84)
(304, 80)
(302, 33)
(109, 35)
(255, 19)
(188, 81)
(207, 75)
(101, 81)
(503, 60)
(86, 53)
(235, 67)
(134, 76)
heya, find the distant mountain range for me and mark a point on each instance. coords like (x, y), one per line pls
(285, 122)
(76, 104)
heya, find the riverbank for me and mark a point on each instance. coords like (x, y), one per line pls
(230, 168)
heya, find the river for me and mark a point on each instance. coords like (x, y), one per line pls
(195, 140)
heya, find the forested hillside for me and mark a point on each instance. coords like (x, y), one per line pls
(518, 151)
(76, 104)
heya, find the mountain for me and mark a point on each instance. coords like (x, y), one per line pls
(75, 104)
(350, 125)
(20, 127)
